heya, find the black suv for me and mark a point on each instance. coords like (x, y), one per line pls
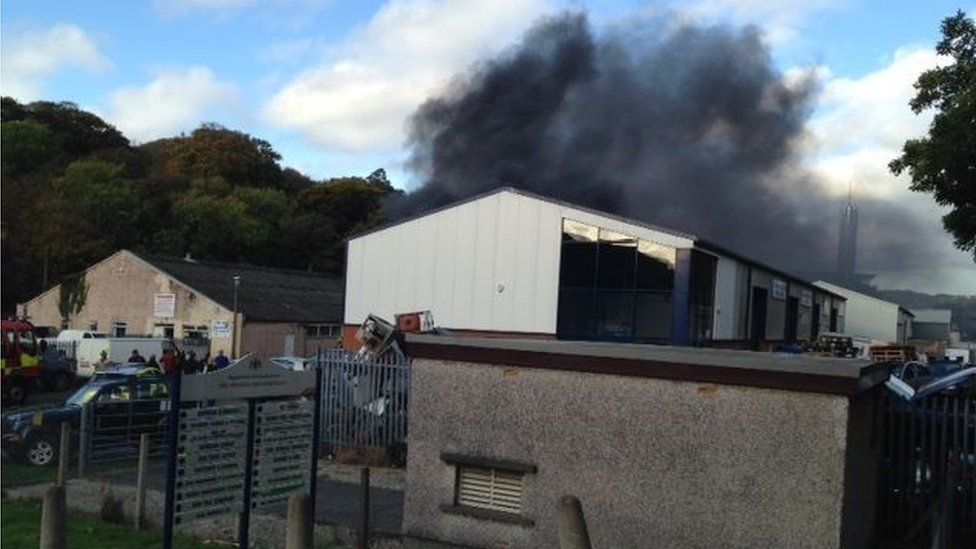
(127, 398)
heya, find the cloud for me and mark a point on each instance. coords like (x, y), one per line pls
(30, 57)
(359, 99)
(860, 124)
(176, 99)
(780, 19)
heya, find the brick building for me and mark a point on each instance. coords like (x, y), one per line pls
(279, 311)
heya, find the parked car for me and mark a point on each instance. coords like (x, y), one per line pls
(33, 434)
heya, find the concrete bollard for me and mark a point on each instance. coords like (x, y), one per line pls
(54, 520)
(299, 531)
(64, 453)
(141, 478)
(572, 524)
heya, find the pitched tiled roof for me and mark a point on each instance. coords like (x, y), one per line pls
(265, 294)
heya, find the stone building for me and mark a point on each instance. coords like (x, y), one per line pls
(279, 311)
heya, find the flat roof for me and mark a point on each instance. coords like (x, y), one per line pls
(793, 372)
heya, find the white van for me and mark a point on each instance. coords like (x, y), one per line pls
(78, 335)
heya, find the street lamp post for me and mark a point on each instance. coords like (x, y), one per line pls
(233, 336)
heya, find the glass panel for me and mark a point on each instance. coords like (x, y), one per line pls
(616, 260)
(655, 266)
(652, 316)
(578, 264)
(576, 312)
(615, 314)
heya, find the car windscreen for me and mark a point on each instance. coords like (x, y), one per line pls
(84, 395)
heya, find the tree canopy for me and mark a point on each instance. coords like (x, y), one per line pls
(944, 162)
(74, 190)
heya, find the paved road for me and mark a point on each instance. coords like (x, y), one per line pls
(336, 502)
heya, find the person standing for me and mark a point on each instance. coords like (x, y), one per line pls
(136, 357)
(221, 361)
(170, 362)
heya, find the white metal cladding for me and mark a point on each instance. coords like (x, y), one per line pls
(867, 316)
(494, 489)
(489, 264)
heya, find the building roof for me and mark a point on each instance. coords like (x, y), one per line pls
(941, 316)
(846, 292)
(699, 242)
(265, 294)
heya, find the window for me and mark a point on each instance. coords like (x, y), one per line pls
(163, 330)
(119, 329)
(115, 393)
(322, 330)
(93, 326)
(487, 488)
(614, 286)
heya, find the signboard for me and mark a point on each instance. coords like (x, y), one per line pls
(248, 378)
(779, 289)
(227, 456)
(806, 298)
(164, 305)
(221, 329)
(282, 451)
(210, 462)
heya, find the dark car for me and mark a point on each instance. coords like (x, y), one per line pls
(127, 396)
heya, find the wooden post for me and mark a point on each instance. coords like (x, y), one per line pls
(84, 434)
(141, 478)
(64, 453)
(363, 539)
(299, 528)
(54, 520)
(571, 524)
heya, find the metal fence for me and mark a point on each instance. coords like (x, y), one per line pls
(110, 431)
(928, 474)
(364, 403)
(68, 349)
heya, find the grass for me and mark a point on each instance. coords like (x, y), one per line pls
(21, 522)
(15, 473)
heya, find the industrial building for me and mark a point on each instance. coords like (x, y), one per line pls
(511, 263)
(278, 311)
(871, 318)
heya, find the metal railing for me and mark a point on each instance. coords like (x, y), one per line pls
(111, 430)
(69, 349)
(928, 473)
(364, 403)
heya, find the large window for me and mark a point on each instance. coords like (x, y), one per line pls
(614, 286)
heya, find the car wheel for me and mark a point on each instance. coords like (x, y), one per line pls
(17, 394)
(41, 452)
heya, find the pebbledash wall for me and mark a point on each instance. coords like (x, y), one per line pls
(665, 446)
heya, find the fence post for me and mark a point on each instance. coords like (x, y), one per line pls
(299, 527)
(54, 519)
(141, 478)
(64, 453)
(84, 440)
(363, 541)
(572, 524)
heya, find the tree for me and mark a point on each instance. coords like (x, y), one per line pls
(944, 162)
(214, 151)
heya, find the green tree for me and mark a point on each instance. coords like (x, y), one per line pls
(214, 151)
(944, 162)
(28, 146)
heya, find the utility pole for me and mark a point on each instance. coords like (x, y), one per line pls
(233, 336)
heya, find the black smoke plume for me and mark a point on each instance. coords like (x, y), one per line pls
(684, 126)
